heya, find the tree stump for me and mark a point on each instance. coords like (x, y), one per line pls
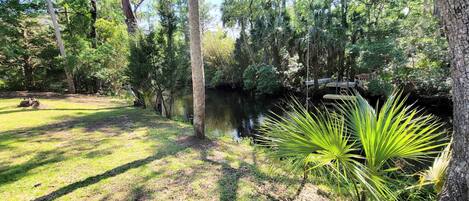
(28, 102)
(35, 104)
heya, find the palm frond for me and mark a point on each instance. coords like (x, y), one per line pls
(396, 131)
(355, 144)
(436, 173)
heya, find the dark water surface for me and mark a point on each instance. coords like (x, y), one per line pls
(239, 114)
(229, 112)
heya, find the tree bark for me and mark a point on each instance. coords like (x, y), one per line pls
(94, 17)
(455, 14)
(130, 18)
(198, 81)
(68, 74)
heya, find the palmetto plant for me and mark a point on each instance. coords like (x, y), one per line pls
(356, 144)
(436, 174)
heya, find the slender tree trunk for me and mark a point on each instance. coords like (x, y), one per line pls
(68, 74)
(315, 68)
(130, 18)
(455, 14)
(198, 81)
(94, 16)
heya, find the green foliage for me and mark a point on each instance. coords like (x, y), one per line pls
(263, 79)
(267, 81)
(269, 35)
(218, 51)
(426, 68)
(380, 87)
(113, 53)
(339, 38)
(3, 85)
(378, 55)
(145, 59)
(29, 46)
(98, 62)
(158, 65)
(330, 38)
(102, 68)
(426, 80)
(356, 148)
(26, 46)
(250, 77)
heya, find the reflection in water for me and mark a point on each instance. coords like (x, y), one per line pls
(230, 112)
(239, 114)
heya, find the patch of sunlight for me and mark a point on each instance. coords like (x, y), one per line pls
(85, 151)
(246, 189)
(52, 110)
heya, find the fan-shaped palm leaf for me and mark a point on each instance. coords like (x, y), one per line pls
(357, 144)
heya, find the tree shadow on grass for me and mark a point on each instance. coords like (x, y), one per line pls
(121, 120)
(16, 172)
(169, 149)
(228, 184)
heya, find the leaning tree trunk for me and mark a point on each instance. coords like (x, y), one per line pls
(130, 18)
(198, 83)
(68, 74)
(455, 14)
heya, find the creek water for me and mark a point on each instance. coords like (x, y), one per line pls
(239, 114)
(229, 112)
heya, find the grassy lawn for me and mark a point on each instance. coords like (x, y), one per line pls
(88, 148)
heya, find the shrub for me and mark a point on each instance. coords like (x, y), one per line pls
(357, 147)
(379, 87)
(249, 77)
(3, 85)
(426, 81)
(263, 79)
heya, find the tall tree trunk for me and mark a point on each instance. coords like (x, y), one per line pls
(94, 16)
(455, 14)
(198, 81)
(68, 74)
(130, 18)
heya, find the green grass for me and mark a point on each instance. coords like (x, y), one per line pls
(99, 149)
